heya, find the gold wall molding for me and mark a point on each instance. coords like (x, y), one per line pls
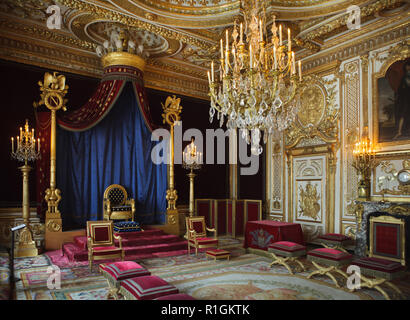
(103, 13)
(357, 48)
(340, 21)
(38, 32)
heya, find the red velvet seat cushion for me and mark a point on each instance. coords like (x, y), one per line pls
(287, 246)
(177, 296)
(102, 251)
(334, 237)
(125, 269)
(148, 287)
(383, 265)
(330, 254)
(205, 241)
(217, 252)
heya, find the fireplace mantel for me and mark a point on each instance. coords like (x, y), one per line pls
(364, 209)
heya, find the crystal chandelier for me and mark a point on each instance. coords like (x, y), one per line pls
(258, 88)
(26, 146)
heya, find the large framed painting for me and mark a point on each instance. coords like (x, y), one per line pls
(391, 104)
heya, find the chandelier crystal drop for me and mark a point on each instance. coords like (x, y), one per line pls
(258, 88)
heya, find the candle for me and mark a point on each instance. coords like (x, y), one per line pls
(250, 56)
(280, 35)
(38, 140)
(260, 30)
(293, 63)
(274, 56)
(300, 70)
(21, 132)
(18, 142)
(227, 41)
(241, 34)
(222, 50)
(289, 42)
(209, 78)
(212, 65)
(12, 144)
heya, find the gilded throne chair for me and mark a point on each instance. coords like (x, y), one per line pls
(116, 204)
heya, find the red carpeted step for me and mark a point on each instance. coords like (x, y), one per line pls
(81, 241)
(134, 238)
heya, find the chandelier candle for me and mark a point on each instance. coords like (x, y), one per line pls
(258, 88)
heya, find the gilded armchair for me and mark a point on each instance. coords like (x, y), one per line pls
(116, 204)
(101, 242)
(197, 234)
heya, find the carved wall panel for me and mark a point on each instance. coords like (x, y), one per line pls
(310, 202)
(275, 178)
(351, 124)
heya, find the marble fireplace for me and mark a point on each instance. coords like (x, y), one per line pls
(366, 209)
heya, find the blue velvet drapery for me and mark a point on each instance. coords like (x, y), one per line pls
(116, 150)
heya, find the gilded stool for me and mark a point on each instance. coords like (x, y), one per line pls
(332, 260)
(381, 271)
(335, 241)
(117, 272)
(218, 254)
(146, 288)
(284, 252)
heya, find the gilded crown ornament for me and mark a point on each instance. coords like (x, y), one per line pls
(258, 87)
(122, 48)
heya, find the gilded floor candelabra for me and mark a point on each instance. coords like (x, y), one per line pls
(364, 160)
(26, 151)
(192, 160)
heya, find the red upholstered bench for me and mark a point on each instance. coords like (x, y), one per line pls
(332, 259)
(177, 296)
(146, 288)
(218, 254)
(286, 251)
(119, 271)
(382, 271)
(335, 241)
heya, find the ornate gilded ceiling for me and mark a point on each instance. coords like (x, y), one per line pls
(178, 36)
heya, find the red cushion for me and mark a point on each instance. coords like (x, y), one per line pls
(217, 252)
(379, 264)
(148, 287)
(205, 240)
(334, 237)
(125, 269)
(331, 254)
(177, 296)
(287, 246)
(101, 233)
(101, 251)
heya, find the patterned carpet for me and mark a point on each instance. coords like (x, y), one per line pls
(245, 276)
